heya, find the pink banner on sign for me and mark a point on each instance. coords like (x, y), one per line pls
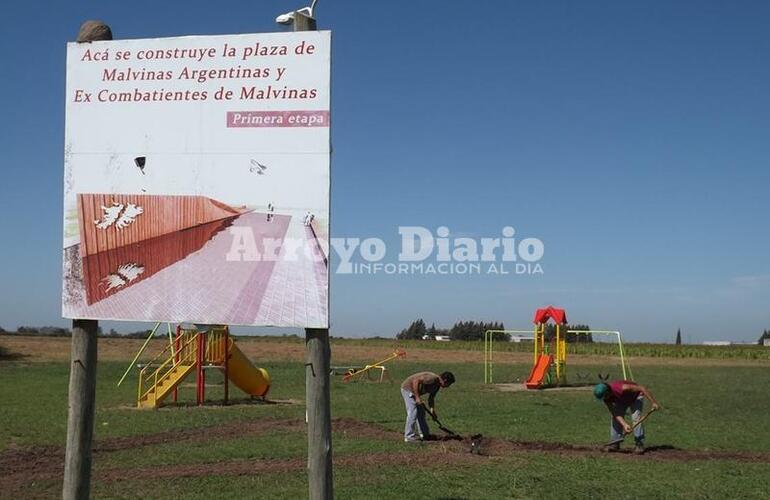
(237, 119)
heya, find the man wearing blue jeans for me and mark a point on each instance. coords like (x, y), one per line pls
(619, 396)
(412, 388)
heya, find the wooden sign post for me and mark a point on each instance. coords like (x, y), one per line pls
(82, 387)
(317, 394)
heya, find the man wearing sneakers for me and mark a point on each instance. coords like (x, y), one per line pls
(412, 389)
(619, 396)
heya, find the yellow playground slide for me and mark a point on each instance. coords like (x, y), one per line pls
(250, 379)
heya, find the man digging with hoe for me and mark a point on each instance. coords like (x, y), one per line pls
(619, 396)
(412, 388)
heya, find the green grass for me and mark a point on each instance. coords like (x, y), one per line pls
(536, 476)
(743, 352)
(714, 408)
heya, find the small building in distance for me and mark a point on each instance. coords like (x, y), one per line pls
(522, 338)
(440, 338)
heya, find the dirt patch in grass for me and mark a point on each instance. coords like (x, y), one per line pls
(21, 466)
(429, 457)
(499, 447)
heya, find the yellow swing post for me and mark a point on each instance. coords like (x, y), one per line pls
(489, 340)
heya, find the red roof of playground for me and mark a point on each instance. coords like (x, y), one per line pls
(550, 312)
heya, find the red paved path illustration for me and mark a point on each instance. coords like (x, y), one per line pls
(205, 287)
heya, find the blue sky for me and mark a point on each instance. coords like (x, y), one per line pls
(632, 138)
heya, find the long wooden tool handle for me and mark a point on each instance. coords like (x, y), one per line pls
(644, 417)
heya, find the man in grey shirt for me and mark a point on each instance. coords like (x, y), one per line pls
(412, 389)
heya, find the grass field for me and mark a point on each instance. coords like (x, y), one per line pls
(711, 440)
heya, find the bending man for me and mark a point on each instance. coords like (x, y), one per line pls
(619, 396)
(412, 390)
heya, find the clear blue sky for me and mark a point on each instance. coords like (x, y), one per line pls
(633, 138)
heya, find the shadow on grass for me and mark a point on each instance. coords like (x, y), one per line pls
(255, 401)
(214, 404)
(6, 355)
(662, 447)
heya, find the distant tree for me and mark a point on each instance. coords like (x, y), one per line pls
(141, 334)
(579, 337)
(46, 331)
(54, 331)
(415, 331)
(497, 326)
(473, 330)
(550, 333)
(765, 335)
(2, 330)
(678, 336)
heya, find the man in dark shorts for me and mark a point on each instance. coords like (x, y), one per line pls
(412, 389)
(619, 396)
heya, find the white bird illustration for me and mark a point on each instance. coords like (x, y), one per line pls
(110, 215)
(128, 216)
(125, 274)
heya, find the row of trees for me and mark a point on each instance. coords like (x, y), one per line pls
(57, 331)
(474, 330)
(462, 330)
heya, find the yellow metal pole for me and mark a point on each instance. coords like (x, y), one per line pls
(623, 362)
(563, 340)
(141, 350)
(489, 359)
(170, 339)
(558, 362)
(491, 353)
(486, 360)
(139, 390)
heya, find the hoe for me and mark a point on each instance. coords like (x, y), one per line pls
(475, 438)
(637, 424)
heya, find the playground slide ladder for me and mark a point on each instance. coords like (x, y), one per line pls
(157, 383)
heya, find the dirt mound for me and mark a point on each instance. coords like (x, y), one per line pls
(200, 434)
(357, 428)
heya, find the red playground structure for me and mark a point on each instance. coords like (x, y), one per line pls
(547, 356)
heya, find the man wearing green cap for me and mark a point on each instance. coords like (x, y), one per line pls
(619, 396)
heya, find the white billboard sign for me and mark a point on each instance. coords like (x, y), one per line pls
(196, 179)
